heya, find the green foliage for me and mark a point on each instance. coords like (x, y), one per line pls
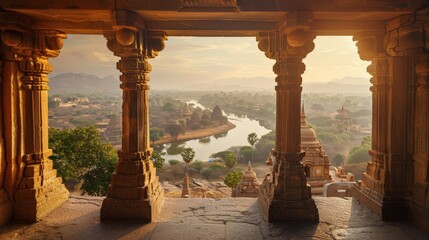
(232, 179)
(175, 148)
(175, 130)
(230, 160)
(197, 165)
(79, 154)
(158, 159)
(222, 155)
(173, 162)
(96, 181)
(156, 134)
(328, 137)
(360, 154)
(169, 107)
(245, 154)
(188, 155)
(338, 160)
(252, 138)
(53, 104)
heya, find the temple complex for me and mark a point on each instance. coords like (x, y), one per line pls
(248, 186)
(391, 35)
(316, 162)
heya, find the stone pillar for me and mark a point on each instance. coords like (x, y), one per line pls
(406, 38)
(31, 181)
(388, 181)
(134, 192)
(285, 194)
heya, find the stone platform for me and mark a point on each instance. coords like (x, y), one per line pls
(228, 218)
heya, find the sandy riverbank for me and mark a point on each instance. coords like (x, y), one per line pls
(196, 134)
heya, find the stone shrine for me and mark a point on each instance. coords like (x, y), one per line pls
(248, 186)
(316, 162)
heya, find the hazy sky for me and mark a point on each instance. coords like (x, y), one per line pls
(199, 60)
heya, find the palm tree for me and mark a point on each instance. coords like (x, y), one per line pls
(252, 138)
(188, 155)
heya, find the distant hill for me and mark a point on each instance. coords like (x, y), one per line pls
(83, 83)
(86, 83)
(343, 85)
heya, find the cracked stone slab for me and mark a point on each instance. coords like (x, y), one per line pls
(242, 231)
(195, 231)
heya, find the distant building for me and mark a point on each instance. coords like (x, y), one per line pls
(343, 122)
(248, 186)
(316, 162)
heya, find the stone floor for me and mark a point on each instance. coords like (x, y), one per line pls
(228, 218)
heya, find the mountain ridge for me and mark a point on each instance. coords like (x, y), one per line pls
(87, 83)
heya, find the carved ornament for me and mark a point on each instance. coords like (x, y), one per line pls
(408, 35)
(32, 43)
(127, 43)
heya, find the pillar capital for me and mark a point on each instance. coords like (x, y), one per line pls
(292, 38)
(408, 35)
(127, 43)
(369, 44)
(40, 43)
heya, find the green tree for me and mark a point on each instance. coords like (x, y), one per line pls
(230, 160)
(175, 130)
(79, 154)
(156, 134)
(360, 153)
(233, 178)
(245, 154)
(188, 155)
(252, 138)
(158, 159)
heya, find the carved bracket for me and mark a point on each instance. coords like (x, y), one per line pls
(127, 43)
(42, 43)
(292, 38)
(408, 35)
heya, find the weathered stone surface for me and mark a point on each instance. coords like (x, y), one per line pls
(230, 218)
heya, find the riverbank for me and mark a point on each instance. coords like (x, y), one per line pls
(196, 134)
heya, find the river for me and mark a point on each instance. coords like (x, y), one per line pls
(207, 146)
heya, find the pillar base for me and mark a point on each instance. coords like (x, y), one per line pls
(275, 211)
(6, 208)
(39, 194)
(419, 215)
(144, 210)
(284, 195)
(385, 207)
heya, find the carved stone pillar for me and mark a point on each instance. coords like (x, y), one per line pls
(284, 193)
(407, 38)
(134, 192)
(30, 178)
(388, 182)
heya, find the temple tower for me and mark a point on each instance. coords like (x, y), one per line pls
(316, 162)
